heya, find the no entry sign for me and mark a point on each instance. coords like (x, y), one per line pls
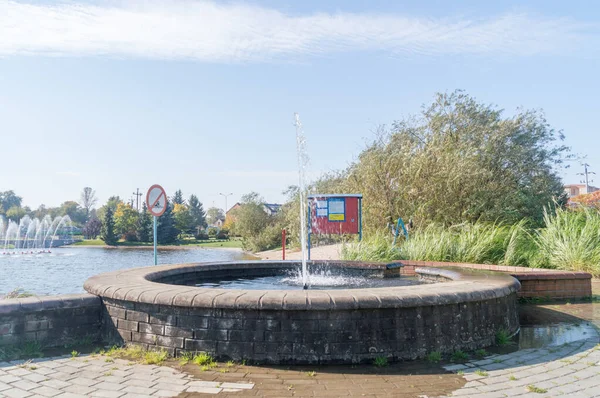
(156, 200)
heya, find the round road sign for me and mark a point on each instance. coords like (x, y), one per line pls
(156, 200)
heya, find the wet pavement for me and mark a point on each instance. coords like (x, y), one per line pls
(556, 354)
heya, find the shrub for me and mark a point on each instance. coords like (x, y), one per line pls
(202, 236)
(223, 234)
(130, 236)
(212, 232)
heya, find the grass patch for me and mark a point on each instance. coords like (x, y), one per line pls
(203, 359)
(155, 357)
(502, 338)
(89, 242)
(312, 373)
(512, 378)
(480, 372)
(459, 356)
(380, 362)
(17, 293)
(481, 353)
(434, 357)
(538, 390)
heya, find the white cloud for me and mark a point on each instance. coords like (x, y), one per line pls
(225, 32)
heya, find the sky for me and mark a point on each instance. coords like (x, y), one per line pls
(201, 95)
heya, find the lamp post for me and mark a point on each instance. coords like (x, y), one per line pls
(225, 196)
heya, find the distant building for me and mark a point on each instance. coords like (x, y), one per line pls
(578, 189)
(271, 208)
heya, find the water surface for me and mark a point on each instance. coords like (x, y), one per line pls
(64, 270)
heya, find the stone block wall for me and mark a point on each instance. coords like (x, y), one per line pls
(535, 282)
(311, 336)
(52, 321)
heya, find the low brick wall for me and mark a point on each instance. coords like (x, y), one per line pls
(53, 321)
(535, 282)
(155, 308)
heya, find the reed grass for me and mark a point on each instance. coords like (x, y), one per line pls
(569, 240)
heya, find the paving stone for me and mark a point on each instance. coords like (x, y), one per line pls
(168, 387)
(4, 386)
(46, 391)
(77, 389)
(165, 393)
(107, 394)
(85, 382)
(109, 386)
(9, 378)
(58, 384)
(25, 385)
(139, 390)
(241, 386)
(205, 390)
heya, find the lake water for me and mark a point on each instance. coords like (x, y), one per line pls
(66, 269)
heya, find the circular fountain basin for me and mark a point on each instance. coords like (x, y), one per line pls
(161, 307)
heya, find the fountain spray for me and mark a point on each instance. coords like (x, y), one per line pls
(302, 163)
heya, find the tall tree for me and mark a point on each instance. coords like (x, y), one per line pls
(92, 228)
(15, 213)
(166, 231)
(126, 221)
(213, 214)
(9, 199)
(88, 200)
(178, 198)
(462, 161)
(197, 212)
(74, 211)
(107, 233)
(144, 225)
(183, 217)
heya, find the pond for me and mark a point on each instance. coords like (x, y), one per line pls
(65, 269)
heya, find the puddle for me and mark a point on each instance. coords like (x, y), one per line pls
(538, 336)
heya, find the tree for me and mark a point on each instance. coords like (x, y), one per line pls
(15, 213)
(178, 198)
(462, 161)
(213, 214)
(88, 200)
(144, 225)
(92, 228)
(125, 221)
(183, 217)
(74, 211)
(197, 212)
(112, 202)
(166, 231)
(107, 232)
(9, 199)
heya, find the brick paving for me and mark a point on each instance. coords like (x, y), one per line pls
(553, 369)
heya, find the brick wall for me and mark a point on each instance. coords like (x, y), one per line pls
(311, 336)
(535, 282)
(52, 321)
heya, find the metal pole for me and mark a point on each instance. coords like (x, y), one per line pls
(309, 229)
(283, 244)
(359, 219)
(155, 256)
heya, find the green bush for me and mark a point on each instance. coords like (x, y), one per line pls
(223, 234)
(202, 236)
(212, 232)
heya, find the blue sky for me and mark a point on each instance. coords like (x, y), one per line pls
(200, 95)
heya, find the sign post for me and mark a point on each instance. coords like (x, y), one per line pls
(156, 199)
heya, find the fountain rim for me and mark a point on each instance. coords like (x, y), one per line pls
(141, 285)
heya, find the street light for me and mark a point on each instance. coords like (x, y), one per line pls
(225, 195)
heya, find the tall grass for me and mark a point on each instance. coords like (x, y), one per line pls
(569, 240)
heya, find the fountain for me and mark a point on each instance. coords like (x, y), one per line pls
(302, 163)
(31, 236)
